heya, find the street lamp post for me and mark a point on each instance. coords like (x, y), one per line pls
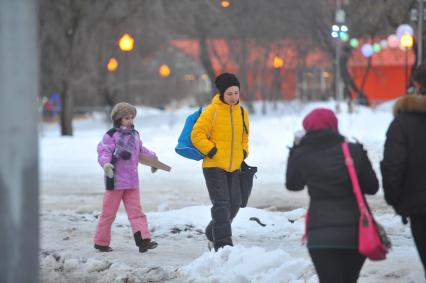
(419, 15)
(126, 43)
(406, 43)
(278, 63)
(420, 33)
(337, 30)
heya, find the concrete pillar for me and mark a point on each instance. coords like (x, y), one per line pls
(19, 184)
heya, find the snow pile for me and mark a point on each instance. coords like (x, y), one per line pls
(240, 265)
(269, 253)
(249, 223)
(65, 268)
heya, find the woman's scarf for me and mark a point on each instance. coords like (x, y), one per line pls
(124, 150)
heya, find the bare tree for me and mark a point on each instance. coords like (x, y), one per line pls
(64, 25)
(71, 33)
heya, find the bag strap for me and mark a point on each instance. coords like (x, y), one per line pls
(214, 118)
(244, 123)
(354, 179)
(305, 233)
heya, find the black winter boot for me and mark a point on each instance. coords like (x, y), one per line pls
(144, 244)
(103, 248)
(222, 243)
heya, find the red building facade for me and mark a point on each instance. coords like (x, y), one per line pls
(307, 72)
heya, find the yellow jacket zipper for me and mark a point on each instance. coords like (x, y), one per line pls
(232, 138)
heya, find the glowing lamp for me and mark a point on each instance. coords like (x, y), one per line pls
(367, 50)
(376, 47)
(112, 64)
(354, 43)
(126, 43)
(407, 41)
(393, 41)
(404, 29)
(164, 71)
(278, 62)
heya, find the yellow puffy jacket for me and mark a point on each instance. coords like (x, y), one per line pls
(220, 125)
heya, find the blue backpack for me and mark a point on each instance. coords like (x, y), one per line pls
(185, 147)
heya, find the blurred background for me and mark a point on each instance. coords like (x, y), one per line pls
(166, 53)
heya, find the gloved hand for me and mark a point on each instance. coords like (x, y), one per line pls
(212, 152)
(109, 170)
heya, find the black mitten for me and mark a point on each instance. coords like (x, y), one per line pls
(212, 152)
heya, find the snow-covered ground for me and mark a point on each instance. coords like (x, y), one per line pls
(178, 207)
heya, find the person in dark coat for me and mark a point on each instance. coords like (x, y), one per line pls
(317, 161)
(404, 161)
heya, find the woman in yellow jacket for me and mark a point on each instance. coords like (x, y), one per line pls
(221, 134)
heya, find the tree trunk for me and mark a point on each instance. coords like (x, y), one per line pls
(204, 51)
(349, 82)
(66, 112)
(244, 75)
(205, 60)
(276, 85)
(367, 70)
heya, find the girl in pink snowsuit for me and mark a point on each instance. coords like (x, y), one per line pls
(118, 154)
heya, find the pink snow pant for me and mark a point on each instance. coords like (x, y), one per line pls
(132, 204)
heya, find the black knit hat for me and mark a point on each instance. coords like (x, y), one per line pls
(224, 81)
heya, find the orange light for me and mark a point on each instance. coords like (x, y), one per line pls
(225, 4)
(112, 64)
(326, 75)
(278, 62)
(188, 77)
(164, 71)
(126, 43)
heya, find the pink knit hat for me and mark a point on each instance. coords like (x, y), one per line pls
(320, 118)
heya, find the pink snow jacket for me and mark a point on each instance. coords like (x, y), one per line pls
(126, 171)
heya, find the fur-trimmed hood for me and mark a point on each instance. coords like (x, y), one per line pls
(410, 103)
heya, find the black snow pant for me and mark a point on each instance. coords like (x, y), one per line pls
(225, 195)
(337, 265)
(418, 229)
